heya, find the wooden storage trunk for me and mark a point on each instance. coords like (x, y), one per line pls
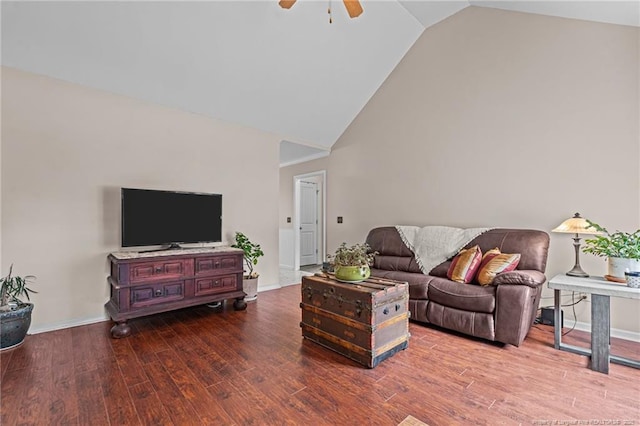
(367, 322)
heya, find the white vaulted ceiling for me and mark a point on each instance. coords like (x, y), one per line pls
(288, 72)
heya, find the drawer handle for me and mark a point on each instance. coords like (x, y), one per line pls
(158, 268)
(158, 292)
(385, 311)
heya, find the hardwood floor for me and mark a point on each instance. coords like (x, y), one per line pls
(198, 366)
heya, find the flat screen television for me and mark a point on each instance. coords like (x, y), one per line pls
(152, 217)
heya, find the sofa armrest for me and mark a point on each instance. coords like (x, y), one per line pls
(531, 278)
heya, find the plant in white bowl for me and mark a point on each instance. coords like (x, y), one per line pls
(621, 248)
(252, 252)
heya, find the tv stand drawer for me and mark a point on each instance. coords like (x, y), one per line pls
(209, 265)
(152, 294)
(210, 285)
(153, 271)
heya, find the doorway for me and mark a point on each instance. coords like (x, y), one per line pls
(309, 218)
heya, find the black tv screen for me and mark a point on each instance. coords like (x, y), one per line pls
(151, 217)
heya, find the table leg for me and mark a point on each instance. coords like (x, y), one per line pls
(557, 322)
(120, 330)
(600, 331)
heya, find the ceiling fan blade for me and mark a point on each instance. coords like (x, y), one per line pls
(286, 4)
(353, 8)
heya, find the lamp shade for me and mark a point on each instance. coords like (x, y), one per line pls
(575, 225)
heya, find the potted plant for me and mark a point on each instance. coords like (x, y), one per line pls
(15, 315)
(621, 248)
(351, 264)
(252, 252)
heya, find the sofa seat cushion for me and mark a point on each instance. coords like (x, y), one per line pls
(466, 297)
(418, 283)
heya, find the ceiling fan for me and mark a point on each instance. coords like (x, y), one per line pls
(354, 9)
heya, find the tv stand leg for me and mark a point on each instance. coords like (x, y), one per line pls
(120, 330)
(240, 304)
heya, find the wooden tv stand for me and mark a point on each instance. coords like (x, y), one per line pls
(153, 282)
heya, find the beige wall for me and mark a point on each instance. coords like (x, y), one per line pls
(2, 272)
(496, 118)
(67, 150)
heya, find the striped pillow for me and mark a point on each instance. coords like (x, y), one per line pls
(465, 265)
(494, 263)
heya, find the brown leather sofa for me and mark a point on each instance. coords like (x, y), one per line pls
(503, 311)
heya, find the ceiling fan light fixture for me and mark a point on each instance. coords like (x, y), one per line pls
(286, 4)
(354, 8)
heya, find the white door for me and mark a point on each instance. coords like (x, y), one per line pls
(308, 223)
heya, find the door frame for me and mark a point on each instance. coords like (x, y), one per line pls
(296, 215)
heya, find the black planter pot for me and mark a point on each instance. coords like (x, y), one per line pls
(14, 325)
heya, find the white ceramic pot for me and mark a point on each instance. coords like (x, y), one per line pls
(617, 266)
(250, 286)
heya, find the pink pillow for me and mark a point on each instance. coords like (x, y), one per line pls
(494, 263)
(464, 265)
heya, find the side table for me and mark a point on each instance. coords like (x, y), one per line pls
(601, 290)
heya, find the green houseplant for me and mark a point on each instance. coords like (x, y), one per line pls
(621, 248)
(252, 252)
(15, 315)
(351, 263)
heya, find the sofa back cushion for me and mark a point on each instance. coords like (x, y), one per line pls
(396, 263)
(532, 245)
(387, 242)
(393, 254)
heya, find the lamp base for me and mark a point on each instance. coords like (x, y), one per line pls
(577, 269)
(577, 272)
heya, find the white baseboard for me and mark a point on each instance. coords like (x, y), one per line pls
(269, 287)
(615, 332)
(582, 326)
(67, 324)
(86, 321)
